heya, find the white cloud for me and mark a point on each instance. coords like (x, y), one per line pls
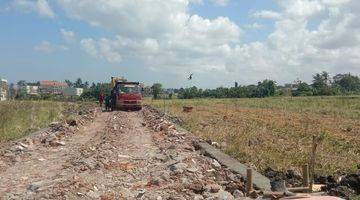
(255, 26)
(266, 14)
(40, 6)
(152, 36)
(68, 36)
(301, 8)
(165, 37)
(104, 48)
(88, 45)
(220, 2)
(47, 47)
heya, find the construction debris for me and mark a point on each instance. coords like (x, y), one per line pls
(120, 155)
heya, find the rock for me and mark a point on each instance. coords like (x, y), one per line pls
(192, 169)
(215, 144)
(60, 143)
(341, 191)
(196, 187)
(278, 186)
(155, 181)
(253, 194)
(172, 146)
(140, 193)
(19, 148)
(71, 122)
(221, 195)
(24, 145)
(293, 174)
(215, 164)
(352, 181)
(53, 124)
(238, 194)
(160, 157)
(232, 186)
(198, 197)
(213, 188)
(33, 187)
(165, 176)
(178, 167)
(93, 194)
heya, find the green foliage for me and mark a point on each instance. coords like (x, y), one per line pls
(265, 88)
(93, 92)
(156, 90)
(303, 89)
(321, 84)
(347, 83)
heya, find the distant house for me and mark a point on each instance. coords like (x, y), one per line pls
(52, 87)
(4, 89)
(72, 92)
(30, 89)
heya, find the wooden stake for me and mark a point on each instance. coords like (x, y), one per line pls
(305, 175)
(315, 142)
(249, 181)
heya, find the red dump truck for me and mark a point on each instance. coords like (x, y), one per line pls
(127, 95)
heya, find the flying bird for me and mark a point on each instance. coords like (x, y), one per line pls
(190, 77)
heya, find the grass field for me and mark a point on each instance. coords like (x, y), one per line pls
(277, 132)
(18, 118)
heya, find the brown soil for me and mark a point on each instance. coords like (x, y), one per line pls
(118, 155)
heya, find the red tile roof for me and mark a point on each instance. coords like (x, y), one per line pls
(53, 84)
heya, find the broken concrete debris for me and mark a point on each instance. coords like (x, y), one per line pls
(122, 155)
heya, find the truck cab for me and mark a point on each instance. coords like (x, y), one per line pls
(128, 95)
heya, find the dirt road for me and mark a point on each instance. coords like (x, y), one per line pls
(118, 155)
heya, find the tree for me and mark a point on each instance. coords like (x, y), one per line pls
(78, 83)
(266, 88)
(302, 89)
(347, 83)
(156, 90)
(21, 83)
(69, 83)
(93, 92)
(321, 84)
(86, 85)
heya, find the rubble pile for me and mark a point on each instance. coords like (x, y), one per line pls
(53, 136)
(201, 176)
(120, 155)
(139, 155)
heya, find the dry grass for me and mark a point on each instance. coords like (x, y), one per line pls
(18, 118)
(277, 132)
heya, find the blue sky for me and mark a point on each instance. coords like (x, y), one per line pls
(244, 40)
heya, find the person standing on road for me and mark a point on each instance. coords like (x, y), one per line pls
(107, 102)
(101, 99)
(113, 99)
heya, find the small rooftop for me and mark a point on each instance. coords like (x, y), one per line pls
(53, 83)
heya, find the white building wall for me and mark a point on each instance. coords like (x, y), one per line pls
(3, 89)
(70, 92)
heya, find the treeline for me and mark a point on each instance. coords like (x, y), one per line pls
(322, 85)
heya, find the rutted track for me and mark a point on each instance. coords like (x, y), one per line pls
(120, 155)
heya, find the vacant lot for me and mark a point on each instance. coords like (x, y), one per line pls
(277, 132)
(17, 118)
